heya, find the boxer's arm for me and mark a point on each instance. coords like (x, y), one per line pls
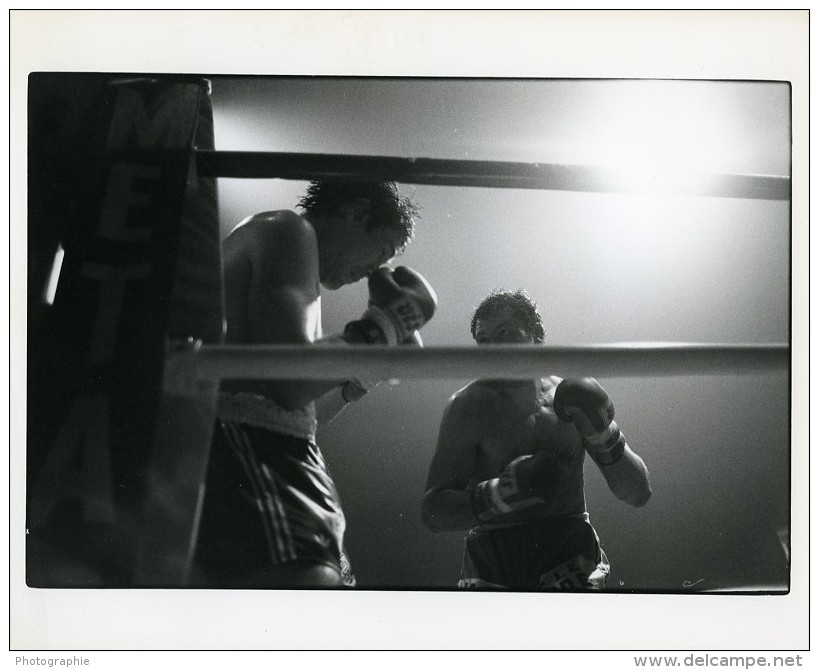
(283, 295)
(627, 478)
(283, 299)
(447, 501)
(332, 403)
(284, 308)
(335, 400)
(589, 407)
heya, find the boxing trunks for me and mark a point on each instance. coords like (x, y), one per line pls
(560, 553)
(269, 497)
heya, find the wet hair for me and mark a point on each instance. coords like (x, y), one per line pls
(519, 303)
(388, 209)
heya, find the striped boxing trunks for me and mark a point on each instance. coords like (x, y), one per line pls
(269, 496)
(556, 554)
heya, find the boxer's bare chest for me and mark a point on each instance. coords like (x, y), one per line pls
(522, 421)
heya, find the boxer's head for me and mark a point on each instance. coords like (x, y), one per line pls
(360, 226)
(506, 317)
(378, 204)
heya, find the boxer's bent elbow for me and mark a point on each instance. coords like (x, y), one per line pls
(637, 498)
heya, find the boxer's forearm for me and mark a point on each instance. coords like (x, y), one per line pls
(330, 405)
(628, 479)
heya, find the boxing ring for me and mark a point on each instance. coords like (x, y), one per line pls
(134, 339)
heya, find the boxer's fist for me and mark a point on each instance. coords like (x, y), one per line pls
(526, 481)
(584, 403)
(401, 302)
(534, 475)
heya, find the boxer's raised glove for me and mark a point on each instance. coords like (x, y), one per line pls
(401, 302)
(586, 404)
(526, 481)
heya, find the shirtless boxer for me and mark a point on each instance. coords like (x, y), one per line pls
(271, 515)
(508, 467)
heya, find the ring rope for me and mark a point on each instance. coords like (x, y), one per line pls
(494, 174)
(215, 362)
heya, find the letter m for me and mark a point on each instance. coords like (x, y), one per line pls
(144, 117)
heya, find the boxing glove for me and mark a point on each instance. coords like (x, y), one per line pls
(401, 302)
(526, 481)
(586, 404)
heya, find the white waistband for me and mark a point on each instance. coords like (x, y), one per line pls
(261, 412)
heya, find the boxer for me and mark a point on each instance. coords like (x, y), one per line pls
(272, 515)
(508, 467)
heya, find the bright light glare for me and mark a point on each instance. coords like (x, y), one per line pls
(661, 137)
(662, 126)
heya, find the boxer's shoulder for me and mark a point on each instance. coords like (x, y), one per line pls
(281, 234)
(478, 398)
(270, 226)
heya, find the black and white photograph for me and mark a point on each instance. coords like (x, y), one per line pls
(392, 350)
